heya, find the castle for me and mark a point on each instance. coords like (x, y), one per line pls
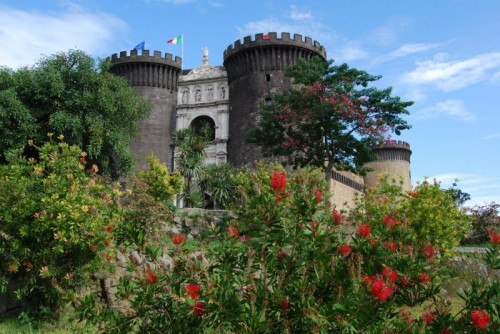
(229, 98)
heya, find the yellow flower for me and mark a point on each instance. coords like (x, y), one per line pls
(44, 272)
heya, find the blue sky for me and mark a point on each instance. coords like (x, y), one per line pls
(443, 55)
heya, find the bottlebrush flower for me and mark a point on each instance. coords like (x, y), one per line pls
(314, 224)
(198, 308)
(245, 238)
(495, 238)
(192, 290)
(391, 246)
(345, 249)
(429, 252)
(391, 274)
(150, 277)
(285, 305)
(480, 318)
(427, 317)
(178, 239)
(109, 228)
(233, 232)
(318, 195)
(390, 222)
(380, 290)
(12, 267)
(278, 180)
(364, 231)
(424, 278)
(338, 218)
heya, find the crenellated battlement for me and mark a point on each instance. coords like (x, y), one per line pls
(392, 150)
(148, 70)
(156, 57)
(268, 55)
(273, 40)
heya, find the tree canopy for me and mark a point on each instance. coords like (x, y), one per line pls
(331, 118)
(74, 95)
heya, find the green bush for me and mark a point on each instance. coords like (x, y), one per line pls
(56, 216)
(290, 264)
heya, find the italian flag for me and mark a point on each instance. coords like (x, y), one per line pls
(176, 40)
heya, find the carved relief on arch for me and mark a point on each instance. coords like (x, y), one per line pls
(197, 94)
(185, 96)
(222, 92)
(209, 93)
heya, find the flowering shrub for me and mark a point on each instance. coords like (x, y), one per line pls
(56, 219)
(287, 264)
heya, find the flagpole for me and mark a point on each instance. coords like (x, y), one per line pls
(182, 51)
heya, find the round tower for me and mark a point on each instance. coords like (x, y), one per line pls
(255, 70)
(393, 160)
(155, 78)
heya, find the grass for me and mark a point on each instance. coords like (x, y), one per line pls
(23, 325)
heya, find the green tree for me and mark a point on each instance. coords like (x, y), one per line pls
(331, 120)
(74, 95)
(190, 144)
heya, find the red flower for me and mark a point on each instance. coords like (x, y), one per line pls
(368, 279)
(318, 195)
(314, 224)
(83, 160)
(233, 231)
(495, 238)
(278, 180)
(285, 305)
(109, 228)
(338, 218)
(106, 242)
(178, 239)
(480, 318)
(429, 252)
(364, 231)
(245, 238)
(445, 331)
(380, 291)
(345, 249)
(150, 277)
(373, 242)
(389, 222)
(427, 317)
(198, 308)
(391, 246)
(390, 273)
(424, 278)
(192, 290)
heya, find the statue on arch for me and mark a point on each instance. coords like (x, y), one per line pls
(205, 56)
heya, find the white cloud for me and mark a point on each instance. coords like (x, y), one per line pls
(481, 189)
(492, 136)
(452, 75)
(299, 15)
(28, 35)
(451, 108)
(388, 33)
(302, 22)
(349, 52)
(409, 49)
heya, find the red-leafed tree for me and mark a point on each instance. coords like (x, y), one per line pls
(331, 120)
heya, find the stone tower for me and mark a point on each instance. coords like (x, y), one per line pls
(255, 70)
(393, 160)
(155, 78)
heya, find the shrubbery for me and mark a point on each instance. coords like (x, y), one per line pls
(290, 263)
(56, 215)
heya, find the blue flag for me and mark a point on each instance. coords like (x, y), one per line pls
(140, 46)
